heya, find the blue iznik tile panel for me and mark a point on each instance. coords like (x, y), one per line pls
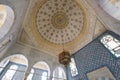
(94, 56)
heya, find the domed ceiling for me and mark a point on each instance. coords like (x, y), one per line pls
(59, 21)
(52, 24)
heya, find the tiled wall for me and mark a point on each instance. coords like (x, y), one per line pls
(94, 56)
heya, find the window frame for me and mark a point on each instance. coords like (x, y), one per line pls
(56, 75)
(75, 67)
(9, 70)
(107, 46)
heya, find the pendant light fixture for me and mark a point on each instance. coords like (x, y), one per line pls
(64, 56)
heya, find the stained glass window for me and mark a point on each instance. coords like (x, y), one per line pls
(10, 73)
(73, 67)
(112, 44)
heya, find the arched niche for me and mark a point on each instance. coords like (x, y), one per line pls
(7, 17)
(13, 67)
(39, 71)
(112, 7)
(59, 74)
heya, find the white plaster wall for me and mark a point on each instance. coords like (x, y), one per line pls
(33, 57)
(19, 7)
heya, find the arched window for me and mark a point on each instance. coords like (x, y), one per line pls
(73, 68)
(10, 73)
(41, 71)
(59, 74)
(112, 44)
(13, 67)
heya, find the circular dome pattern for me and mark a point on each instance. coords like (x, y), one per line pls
(60, 21)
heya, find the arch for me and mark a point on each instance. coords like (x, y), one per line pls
(18, 60)
(42, 63)
(15, 56)
(59, 74)
(112, 7)
(6, 19)
(39, 71)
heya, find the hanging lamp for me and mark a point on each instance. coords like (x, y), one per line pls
(64, 56)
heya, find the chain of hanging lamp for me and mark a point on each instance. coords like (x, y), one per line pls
(64, 56)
